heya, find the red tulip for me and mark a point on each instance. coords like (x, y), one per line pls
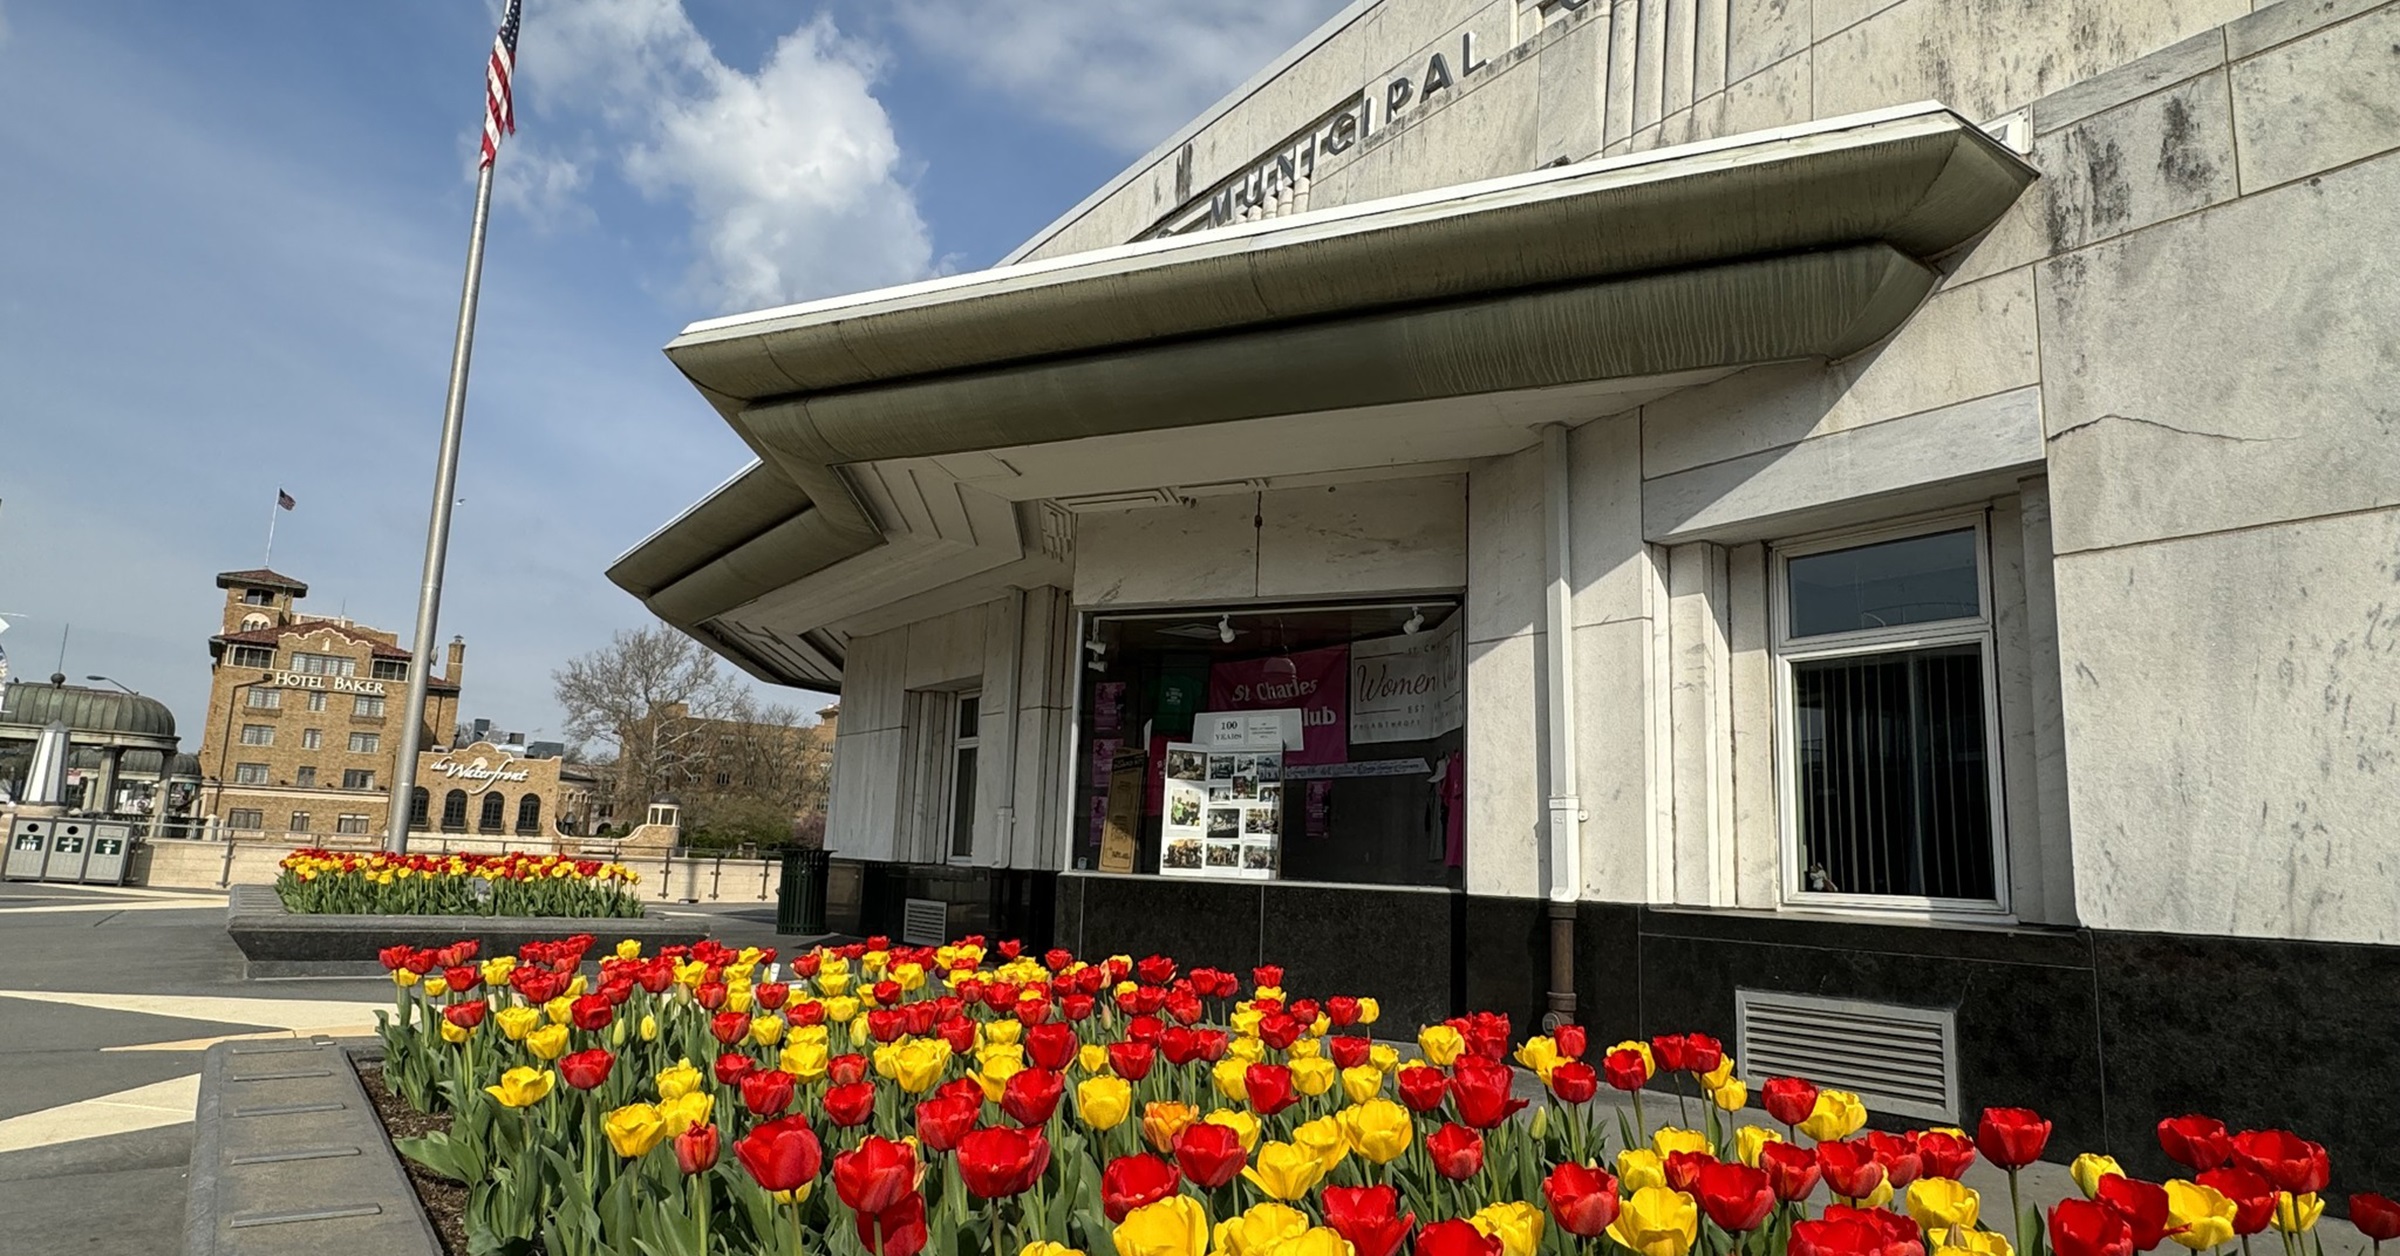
(1211, 1043)
(2375, 1216)
(944, 1119)
(1574, 1082)
(998, 1162)
(1341, 1011)
(782, 1155)
(2198, 1143)
(1687, 1053)
(1894, 1235)
(1835, 1238)
(1735, 1196)
(1457, 1152)
(1268, 976)
(768, 1092)
(1851, 1169)
(593, 1011)
(710, 994)
(2291, 1162)
(1482, 1091)
(1132, 1181)
(1456, 1238)
(462, 978)
(1209, 1154)
(1945, 1155)
(959, 1032)
(1076, 1007)
(1898, 1155)
(2083, 1227)
(1791, 1170)
(1583, 1201)
(1057, 957)
(1423, 1089)
(696, 1149)
(1365, 1216)
(1156, 970)
(1051, 1046)
(1625, 1069)
(1348, 1052)
(1683, 1168)
(1788, 1099)
(585, 1070)
(771, 994)
(2254, 1198)
(2142, 1206)
(1032, 1095)
(874, 1176)
(965, 1088)
(849, 1106)
(1572, 1041)
(1269, 1087)
(842, 1070)
(729, 1027)
(886, 1024)
(1131, 1060)
(896, 1231)
(466, 1015)
(2011, 1137)
(805, 1012)
(732, 1067)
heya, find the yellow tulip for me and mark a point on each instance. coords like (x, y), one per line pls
(1162, 1121)
(1369, 1011)
(1093, 1058)
(1837, 1116)
(2203, 1213)
(1174, 1226)
(1229, 1077)
(634, 1129)
(993, 1076)
(1262, 1231)
(436, 986)
(841, 1011)
(833, 983)
(403, 978)
(1943, 1204)
(2089, 1168)
(1361, 1083)
(1325, 1138)
(517, 1021)
(1305, 1049)
(1639, 1168)
(559, 1009)
(1313, 1076)
(1002, 1033)
(678, 1081)
(1383, 1057)
(649, 1027)
(1657, 1222)
(909, 977)
(1285, 1171)
(1732, 1096)
(804, 1060)
(1441, 1044)
(1316, 1241)
(629, 949)
(1103, 1102)
(1245, 1022)
(2297, 1214)
(685, 1111)
(1247, 1050)
(766, 1031)
(858, 1030)
(1749, 1140)
(1667, 1140)
(525, 1087)
(547, 1043)
(1378, 1129)
(1979, 1243)
(1240, 1122)
(455, 1034)
(1718, 1076)
(1517, 1225)
(1641, 1049)
(496, 971)
(1541, 1055)
(1044, 1247)
(737, 999)
(1881, 1195)
(815, 1034)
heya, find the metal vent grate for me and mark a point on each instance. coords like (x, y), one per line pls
(924, 921)
(1902, 1060)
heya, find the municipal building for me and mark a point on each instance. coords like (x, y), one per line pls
(1866, 527)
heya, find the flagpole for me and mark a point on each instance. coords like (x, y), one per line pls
(437, 534)
(272, 511)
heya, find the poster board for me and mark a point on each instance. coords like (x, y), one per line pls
(1224, 800)
(1123, 815)
(1409, 687)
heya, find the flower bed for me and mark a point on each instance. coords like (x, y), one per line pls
(877, 1099)
(314, 882)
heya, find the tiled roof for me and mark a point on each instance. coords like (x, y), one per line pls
(275, 636)
(260, 577)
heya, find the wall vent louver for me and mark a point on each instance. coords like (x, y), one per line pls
(924, 921)
(1901, 1060)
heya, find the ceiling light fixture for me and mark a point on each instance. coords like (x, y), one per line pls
(1416, 621)
(1225, 629)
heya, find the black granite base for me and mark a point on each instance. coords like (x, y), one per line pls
(868, 898)
(278, 943)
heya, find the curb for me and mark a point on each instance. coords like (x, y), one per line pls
(275, 942)
(288, 1156)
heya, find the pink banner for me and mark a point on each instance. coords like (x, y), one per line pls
(1317, 682)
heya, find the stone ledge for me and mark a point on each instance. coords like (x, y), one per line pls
(276, 942)
(288, 1156)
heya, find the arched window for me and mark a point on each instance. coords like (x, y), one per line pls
(495, 813)
(252, 623)
(454, 811)
(419, 802)
(529, 814)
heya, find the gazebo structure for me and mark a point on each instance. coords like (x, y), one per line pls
(113, 738)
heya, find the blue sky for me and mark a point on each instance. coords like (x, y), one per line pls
(231, 237)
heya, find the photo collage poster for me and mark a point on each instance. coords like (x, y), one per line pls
(1224, 812)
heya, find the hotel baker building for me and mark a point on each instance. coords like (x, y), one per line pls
(1866, 527)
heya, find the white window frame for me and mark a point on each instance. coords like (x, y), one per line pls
(258, 734)
(352, 822)
(312, 739)
(366, 743)
(316, 700)
(260, 657)
(1978, 631)
(252, 774)
(961, 740)
(262, 698)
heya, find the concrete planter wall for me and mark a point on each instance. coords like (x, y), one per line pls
(276, 942)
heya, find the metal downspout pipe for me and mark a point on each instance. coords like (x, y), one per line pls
(1566, 814)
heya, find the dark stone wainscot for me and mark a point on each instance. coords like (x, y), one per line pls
(276, 942)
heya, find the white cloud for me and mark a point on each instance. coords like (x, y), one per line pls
(1127, 73)
(793, 176)
(543, 185)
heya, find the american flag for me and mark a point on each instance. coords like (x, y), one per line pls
(284, 500)
(499, 107)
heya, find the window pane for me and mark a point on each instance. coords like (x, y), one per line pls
(970, 716)
(1919, 580)
(962, 805)
(1894, 785)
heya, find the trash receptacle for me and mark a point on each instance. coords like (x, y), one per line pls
(800, 901)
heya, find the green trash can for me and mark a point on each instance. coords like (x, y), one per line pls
(800, 901)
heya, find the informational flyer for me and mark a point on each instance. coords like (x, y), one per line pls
(1224, 802)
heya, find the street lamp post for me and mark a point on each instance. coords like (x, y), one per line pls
(225, 744)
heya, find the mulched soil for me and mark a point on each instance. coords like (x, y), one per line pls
(445, 1201)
